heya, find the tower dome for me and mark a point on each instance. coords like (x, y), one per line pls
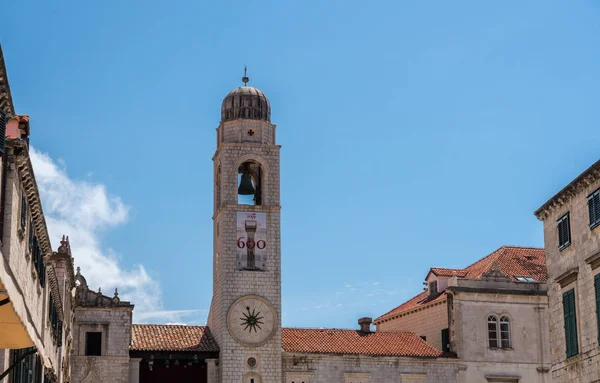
(246, 102)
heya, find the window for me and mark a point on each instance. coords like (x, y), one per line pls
(493, 331)
(446, 340)
(597, 290)
(30, 368)
(499, 332)
(2, 130)
(55, 323)
(525, 279)
(23, 212)
(570, 318)
(31, 236)
(93, 343)
(594, 208)
(38, 261)
(504, 332)
(433, 288)
(564, 231)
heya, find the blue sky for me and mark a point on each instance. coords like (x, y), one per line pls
(415, 134)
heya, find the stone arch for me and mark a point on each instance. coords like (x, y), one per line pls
(257, 167)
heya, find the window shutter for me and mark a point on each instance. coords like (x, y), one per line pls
(23, 212)
(570, 318)
(597, 205)
(592, 210)
(597, 289)
(2, 131)
(445, 339)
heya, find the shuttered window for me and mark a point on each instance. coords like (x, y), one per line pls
(2, 130)
(594, 208)
(570, 323)
(564, 231)
(492, 331)
(23, 212)
(445, 340)
(38, 261)
(597, 289)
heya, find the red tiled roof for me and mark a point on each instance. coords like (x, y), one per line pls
(512, 261)
(441, 272)
(150, 337)
(335, 341)
(421, 300)
(21, 118)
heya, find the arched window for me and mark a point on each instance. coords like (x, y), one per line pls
(250, 183)
(504, 332)
(498, 332)
(493, 331)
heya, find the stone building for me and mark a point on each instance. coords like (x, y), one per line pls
(492, 315)
(487, 322)
(35, 282)
(572, 240)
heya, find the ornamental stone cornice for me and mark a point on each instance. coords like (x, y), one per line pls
(6, 102)
(577, 186)
(20, 156)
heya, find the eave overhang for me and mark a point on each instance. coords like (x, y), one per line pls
(588, 177)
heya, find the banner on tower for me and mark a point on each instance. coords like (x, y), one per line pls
(251, 240)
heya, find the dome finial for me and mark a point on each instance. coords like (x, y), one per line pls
(245, 79)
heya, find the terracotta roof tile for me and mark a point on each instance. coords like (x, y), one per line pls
(335, 341)
(512, 261)
(21, 118)
(149, 337)
(448, 272)
(420, 300)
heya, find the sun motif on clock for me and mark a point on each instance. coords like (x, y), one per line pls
(251, 320)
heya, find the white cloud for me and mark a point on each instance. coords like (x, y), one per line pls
(81, 210)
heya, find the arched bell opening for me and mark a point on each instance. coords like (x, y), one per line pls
(250, 183)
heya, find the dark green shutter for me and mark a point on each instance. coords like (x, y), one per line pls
(591, 210)
(445, 340)
(2, 131)
(570, 323)
(597, 289)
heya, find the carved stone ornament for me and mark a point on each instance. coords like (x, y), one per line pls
(495, 273)
(91, 376)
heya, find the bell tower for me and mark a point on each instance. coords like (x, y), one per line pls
(245, 312)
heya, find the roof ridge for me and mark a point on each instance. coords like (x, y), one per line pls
(389, 312)
(166, 325)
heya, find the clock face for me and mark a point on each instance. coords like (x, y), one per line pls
(251, 320)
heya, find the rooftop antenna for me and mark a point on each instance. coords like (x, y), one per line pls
(245, 79)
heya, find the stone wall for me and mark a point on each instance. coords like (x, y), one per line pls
(529, 354)
(313, 368)
(115, 325)
(428, 321)
(236, 146)
(579, 275)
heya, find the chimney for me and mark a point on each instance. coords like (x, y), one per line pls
(365, 324)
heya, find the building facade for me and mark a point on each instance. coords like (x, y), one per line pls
(492, 315)
(35, 282)
(572, 240)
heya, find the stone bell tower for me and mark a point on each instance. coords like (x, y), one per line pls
(245, 312)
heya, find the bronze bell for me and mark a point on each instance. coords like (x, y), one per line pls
(246, 187)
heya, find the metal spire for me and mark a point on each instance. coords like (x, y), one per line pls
(245, 79)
